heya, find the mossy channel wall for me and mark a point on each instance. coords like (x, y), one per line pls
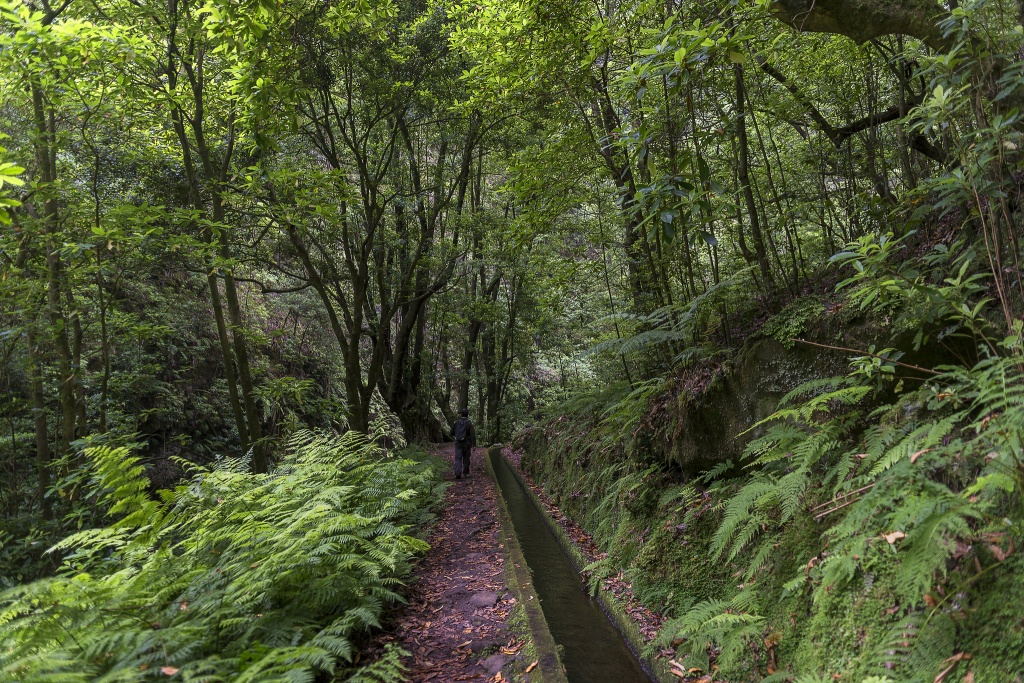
(611, 605)
(549, 667)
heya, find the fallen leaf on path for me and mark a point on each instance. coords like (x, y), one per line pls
(532, 666)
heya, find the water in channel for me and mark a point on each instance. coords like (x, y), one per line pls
(593, 650)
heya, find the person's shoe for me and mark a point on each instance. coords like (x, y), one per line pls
(458, 476)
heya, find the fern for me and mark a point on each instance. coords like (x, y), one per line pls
(928, 474)
(388, 669)
(913, 647)
(672, 324)
(727, 624)
(234, 576)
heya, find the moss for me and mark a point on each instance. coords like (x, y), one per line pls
(793, 319)
(846, 631)
(519, 626)
(994, 632)
(675, 568)
(789, 615)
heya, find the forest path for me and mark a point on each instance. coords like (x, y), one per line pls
(454, 623)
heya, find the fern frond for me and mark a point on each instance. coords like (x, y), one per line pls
(234, 576)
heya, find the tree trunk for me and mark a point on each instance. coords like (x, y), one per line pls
(621, 172)
(78, 387)
(46, 161)
(104, 344)
(39, 419)
(229, 360)
(743, 173)
(259, 457)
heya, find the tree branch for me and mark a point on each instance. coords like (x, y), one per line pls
(862, 20)
(841, 134)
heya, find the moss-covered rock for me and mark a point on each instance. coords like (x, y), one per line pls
(715, 426)
(698, 429)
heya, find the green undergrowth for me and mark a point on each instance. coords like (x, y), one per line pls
(230, 576)
(869, 531)
(739, 564)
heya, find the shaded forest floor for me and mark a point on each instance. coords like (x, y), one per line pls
(459, 622)
(456, 623)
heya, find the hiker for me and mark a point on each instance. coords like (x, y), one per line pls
(465, 440)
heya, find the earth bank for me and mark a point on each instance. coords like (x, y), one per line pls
(634, 492)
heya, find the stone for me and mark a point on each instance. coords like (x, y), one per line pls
(474, 556)
(493, 664)
(484, 599)
(480, 644)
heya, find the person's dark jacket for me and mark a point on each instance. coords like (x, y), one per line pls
(470, 439)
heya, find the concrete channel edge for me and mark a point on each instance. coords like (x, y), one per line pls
(612, 606)
(549, 666)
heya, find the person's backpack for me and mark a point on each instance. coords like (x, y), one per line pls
(461, 430)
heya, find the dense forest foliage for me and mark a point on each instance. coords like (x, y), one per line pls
(251, 245)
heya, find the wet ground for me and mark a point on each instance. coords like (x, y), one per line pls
(454, 624)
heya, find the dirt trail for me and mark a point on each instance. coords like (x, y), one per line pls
(454, 623)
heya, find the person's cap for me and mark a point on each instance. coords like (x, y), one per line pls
(465, 412)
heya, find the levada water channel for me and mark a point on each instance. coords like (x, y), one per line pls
(593, 651)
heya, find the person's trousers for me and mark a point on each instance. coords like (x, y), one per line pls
(462, 452)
